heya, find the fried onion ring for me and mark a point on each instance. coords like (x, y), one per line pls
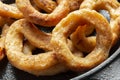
(10, 11)
(69, 25)
(32, 15)
(40, 64)
(113, 7)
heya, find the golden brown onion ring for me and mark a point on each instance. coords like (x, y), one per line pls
(32, 15)
(10, 11)
(113, 7)
(68, 25)
(40, 64)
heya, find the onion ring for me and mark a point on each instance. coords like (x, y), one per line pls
(40, 64)
(32, 15)
(113, 7)
(68, 25)
(10, 11)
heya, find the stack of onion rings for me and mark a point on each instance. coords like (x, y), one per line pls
(73, 22)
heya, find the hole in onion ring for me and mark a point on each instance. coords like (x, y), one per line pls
(28, 48)
(37, 51)
(45, 29)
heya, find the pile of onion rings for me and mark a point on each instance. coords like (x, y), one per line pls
(81, 38)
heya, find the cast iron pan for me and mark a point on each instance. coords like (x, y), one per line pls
(8, 72)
